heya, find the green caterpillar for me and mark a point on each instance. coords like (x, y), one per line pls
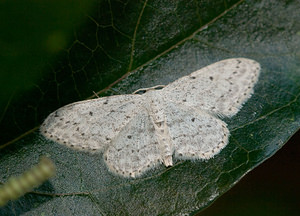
(18, 186)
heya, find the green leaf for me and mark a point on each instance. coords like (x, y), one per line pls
(33, 33)
(140, 44)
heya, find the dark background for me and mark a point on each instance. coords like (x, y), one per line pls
(273, 188)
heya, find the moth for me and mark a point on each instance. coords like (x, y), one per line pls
(137, 132)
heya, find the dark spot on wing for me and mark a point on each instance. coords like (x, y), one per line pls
(159, 124)
(192, 77)
(211, 78)
(91, 113)
(129, 136)
(193, 119)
